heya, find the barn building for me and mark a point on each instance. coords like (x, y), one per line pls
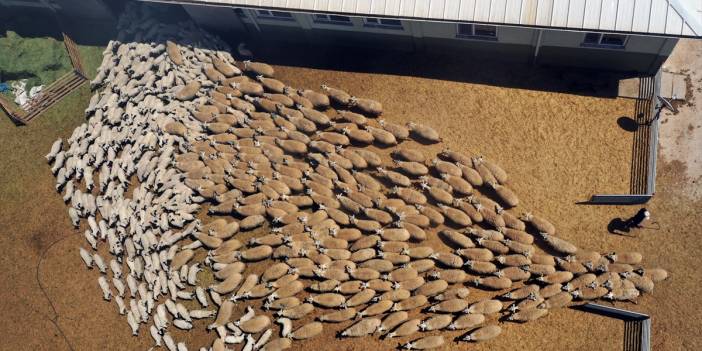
(617, 35)
(620, 35)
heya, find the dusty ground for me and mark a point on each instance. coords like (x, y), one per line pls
(681, 134)
(559, 149)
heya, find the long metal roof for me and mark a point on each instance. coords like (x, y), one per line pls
(679, 18)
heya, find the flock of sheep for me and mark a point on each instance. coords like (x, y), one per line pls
(185, 151)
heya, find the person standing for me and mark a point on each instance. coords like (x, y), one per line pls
(638, 220)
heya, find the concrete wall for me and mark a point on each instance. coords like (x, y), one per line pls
(563, 48)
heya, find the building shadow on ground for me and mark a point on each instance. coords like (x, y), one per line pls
(451, 64)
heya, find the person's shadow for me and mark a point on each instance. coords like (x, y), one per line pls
(627, 123)
(619, 227)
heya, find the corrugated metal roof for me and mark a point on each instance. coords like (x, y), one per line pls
(656, 17)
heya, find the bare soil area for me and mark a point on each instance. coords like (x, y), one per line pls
(558, 148)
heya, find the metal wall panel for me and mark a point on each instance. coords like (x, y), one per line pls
(576, 14)
(560, 13)
(671, 17)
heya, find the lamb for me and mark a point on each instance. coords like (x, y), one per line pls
(410, 303)
(225, 67)
(401, 274)
(476, 254)
(437, 322)
(276, 345)
(315, 116)
(656, 274)
(406, 328)
(466, 321)
(424, 133)
(556, 278)
(480, 267)
(360, 298)
(359, 136)
(527, 315)
(318, 100)
(447, 259)
(456, 239)
(328, 300)
(102, 267)
(338, 316)
(408, 195)
(435, 217)
(456, 216)
(493, 283)
(484, 333)
(439, 195)
(174, 53)
(281, 304)
(561, 299)
(364, 327)
(540, 224)
(625, 257)
(410, 155)
(366, 106)
(414, 169)
(285, 326)
(506, 195)
(105, 287)
(560, 245)
(400, 132)
(254, 325)
(453, 293)
(396, 178)
(259, 69)
(450, 306)
(337, 95)
(55, 149)
(425, 343)
(382, 136)
(451, 276)
(188, 92)
(307, 331)
(87, 259)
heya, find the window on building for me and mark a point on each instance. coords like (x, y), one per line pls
(386, 23)
(476, 31)
(277, 15)
(240, 12)
(332, 19)
(604, 40)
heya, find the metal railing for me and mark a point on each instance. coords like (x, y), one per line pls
(637, 326)
(643, 178)
(52, 94)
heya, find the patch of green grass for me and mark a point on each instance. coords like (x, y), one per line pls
(25, 172)
(39, 60)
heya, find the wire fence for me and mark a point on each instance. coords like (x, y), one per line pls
(644, 149)
(52, 94)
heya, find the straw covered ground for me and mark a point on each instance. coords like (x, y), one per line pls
(558, 148)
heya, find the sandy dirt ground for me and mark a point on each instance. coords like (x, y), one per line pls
(559, 148)
(681, 133)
